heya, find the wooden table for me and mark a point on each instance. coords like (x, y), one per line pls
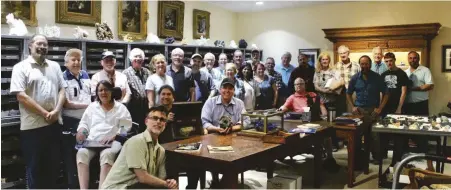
(352, 133)
(249, 153)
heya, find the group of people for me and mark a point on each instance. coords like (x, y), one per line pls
(103, 107)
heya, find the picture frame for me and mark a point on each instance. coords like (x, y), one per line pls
(313, 55)
(24, 10)
(170, 19)
(201, 24)
(86, 13)
(130, 22)
(446, 58)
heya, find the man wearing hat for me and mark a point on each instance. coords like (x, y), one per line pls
(205, 87)
(117, 79)
(213, 111)
(255, 55)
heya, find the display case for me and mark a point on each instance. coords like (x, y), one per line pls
(260, 124)
(94, 50)
(13, 167)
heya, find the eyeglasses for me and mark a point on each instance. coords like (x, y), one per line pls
(155, 118)
(299, 84)
(324, 75)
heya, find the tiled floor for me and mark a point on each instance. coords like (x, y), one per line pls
(303, 167)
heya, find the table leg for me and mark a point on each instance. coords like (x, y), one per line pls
(439, 153)
(367, 145)
(229, 180)
(381, 137)
(270, 170)
(318, 162)
(351, 158)
(442, 169)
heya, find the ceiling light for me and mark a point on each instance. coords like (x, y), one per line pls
(259, 3)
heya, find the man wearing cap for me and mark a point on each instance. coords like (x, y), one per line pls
(182, 77)
(117, 79)
(137, 76)
(205, 87)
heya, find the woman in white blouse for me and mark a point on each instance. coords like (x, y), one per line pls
(157, 80)
(250, 86)
(102, 121)
(324, 72)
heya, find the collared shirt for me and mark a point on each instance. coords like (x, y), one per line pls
(100, 123)
(41, 83)
(183, 81)
(137, 80)
(239, 89)
(215, 73)
(214, 109)
(367, 91)
(321, 78)
(284, 91)
(419, 77)
(277, 77)
(120, 80)
(78, 91)
(305, 73)
(139, 152)
(379, 68)
(204, 85)
(298, 101)
(155, 82)
(347, 71)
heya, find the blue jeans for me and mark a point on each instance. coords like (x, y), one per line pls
(41, 151)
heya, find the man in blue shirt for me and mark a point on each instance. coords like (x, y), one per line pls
(378, 66)
(367, 85)
(285, 69)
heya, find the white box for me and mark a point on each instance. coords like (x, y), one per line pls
(285, 181)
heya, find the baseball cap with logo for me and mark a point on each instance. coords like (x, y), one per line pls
(196, 55)
(227, 81)
(108, 54)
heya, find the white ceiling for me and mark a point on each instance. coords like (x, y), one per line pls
(250, 6)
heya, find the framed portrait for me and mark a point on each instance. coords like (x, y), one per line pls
(446, 61)
(24, 10)
(86, 13)
(133, 18)
(312, 54)
(170, 19)
(201, 24)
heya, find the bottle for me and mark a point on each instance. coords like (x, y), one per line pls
(122, 131)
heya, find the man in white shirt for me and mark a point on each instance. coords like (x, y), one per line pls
(78, 96)
(209, 61)
(40, 90)
(110, 74)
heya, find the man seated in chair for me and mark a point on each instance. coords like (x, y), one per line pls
(141, 163)
(301, 99)
(215, 109)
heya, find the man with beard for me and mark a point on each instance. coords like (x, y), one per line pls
(109, 73)
(285, 70)
(166, 94)
(141, 163)
(40, 90)
(205, 87)
(305, 71)
(137, 76)
(182, 77)
(367, 85)
(378, 66)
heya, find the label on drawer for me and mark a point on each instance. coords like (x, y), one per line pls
(55, 48)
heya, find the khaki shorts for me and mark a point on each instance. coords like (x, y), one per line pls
(107, 156)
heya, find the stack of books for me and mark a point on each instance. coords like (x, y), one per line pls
(309, 128)
(349, 120)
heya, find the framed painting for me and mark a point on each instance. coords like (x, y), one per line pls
(312, 54)
(201, 24)
(446, 58)
(170, 19)
(86, 13)
(133, 18)
(24, 10)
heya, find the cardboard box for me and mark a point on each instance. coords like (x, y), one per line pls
(284, 181)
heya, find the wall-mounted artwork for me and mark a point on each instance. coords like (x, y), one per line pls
(170, 19)
(446, 62)
(133, 18)
(312, 54)
(24, 10)
(201, 24)
(86, 13)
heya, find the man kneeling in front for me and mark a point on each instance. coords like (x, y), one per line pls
(141, 163)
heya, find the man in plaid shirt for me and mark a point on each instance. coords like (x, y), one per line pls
(270, 64)
(345, 69)
(137, 76)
